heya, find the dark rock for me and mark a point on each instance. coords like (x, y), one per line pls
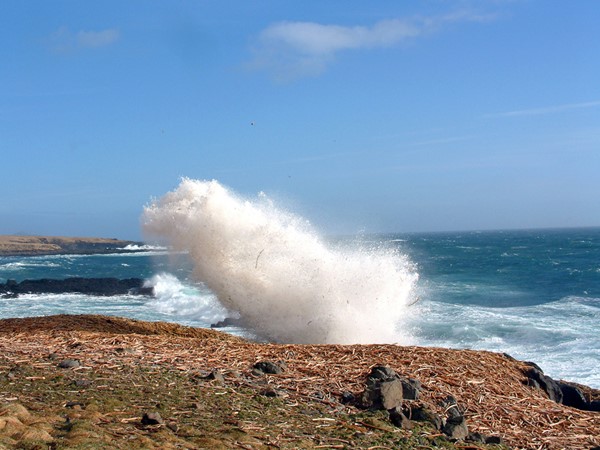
(547, 384)
(423, 413)
(382, 373)
(475, 437)
(173, 427)
(380, 394)
(452, 408)
(69, 364)
(494, 440)
(456, 427)
(398, 418)
(152, 418)
(268, 367)
(593, 406)
(572, 395)
(92, 286)
(410, 388)
(347, 398)
(227, 322)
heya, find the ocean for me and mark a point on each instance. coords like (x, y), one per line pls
(533, 294)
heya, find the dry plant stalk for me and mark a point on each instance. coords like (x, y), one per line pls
(489, 385)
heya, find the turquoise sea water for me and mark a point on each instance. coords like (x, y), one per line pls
(534, 294)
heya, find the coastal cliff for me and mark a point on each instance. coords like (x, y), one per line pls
(13, 245)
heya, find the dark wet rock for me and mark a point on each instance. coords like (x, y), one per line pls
(92, 286)
(572, 395)
(537, 379)
(398, 418)
(268, 367)
(152, 418)
(69, 364)
(227, 322)
(569, 394)
(593, 406)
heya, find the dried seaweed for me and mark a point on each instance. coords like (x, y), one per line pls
(491, 387)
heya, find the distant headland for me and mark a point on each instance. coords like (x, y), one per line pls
(16, 245)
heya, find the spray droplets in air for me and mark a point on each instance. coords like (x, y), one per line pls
(285, 282)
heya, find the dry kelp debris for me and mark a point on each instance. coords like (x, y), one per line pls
(488, 391)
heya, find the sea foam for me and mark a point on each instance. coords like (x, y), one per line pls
(272, 269)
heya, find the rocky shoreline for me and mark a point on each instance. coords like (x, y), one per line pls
(80, 285)
(108, 382)
(16, 245)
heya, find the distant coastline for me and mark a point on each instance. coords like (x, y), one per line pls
(16, 245)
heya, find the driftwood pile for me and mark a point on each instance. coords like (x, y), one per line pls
(489, 393)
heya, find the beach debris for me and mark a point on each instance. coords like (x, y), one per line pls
(491, 390)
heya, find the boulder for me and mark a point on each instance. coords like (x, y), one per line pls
(268, 367)
(535, 377)
(398, 418)
(152, 418)
(423, 413)
(386, 389)
(382, 394)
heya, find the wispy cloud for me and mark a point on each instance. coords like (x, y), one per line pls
(64, 40)
(295, 49)
(547, 109)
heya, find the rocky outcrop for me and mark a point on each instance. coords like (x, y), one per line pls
(52, 245)
(91, 286)
(568, 394)
(387, 390)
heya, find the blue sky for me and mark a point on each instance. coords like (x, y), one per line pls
(361, 116)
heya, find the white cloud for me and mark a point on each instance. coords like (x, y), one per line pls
(64, 40)
(294, 49)
(547, 109)
(97, 38)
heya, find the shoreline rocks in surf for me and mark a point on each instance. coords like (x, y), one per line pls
(90, 286)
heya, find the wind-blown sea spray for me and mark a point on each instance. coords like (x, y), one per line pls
(270, 267)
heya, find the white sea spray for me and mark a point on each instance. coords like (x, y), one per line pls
(273, 269)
